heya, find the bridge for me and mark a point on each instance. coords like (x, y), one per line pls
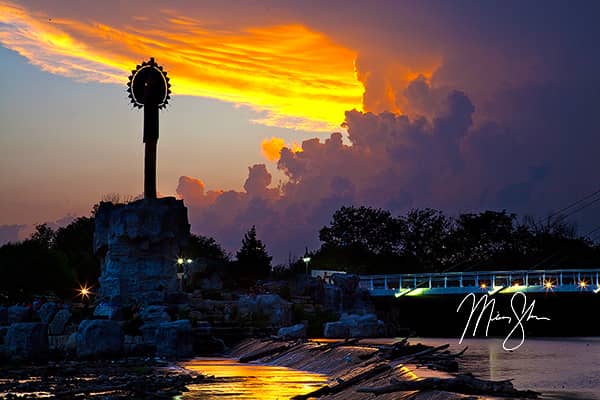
(491, 282)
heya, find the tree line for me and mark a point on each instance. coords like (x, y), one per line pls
(361, 240)
(369, 240)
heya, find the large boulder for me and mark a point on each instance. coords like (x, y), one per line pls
(47, 311)
(353, 325)
(71, 344)
(27, 340)
(353, 298)
(297, 331)
(99, 338)
(136, 243)
(108, 310)
(175, 340)
(18, 313)
(59, 322)
(336, 330)
(152, 316)
(277, 311)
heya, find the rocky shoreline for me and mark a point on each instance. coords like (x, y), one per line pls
(106, 379)
(356, 371)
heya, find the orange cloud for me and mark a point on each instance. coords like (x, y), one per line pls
(297, 78)
(271, 148)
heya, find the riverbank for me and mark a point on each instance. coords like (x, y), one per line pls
(115, 379)
(355, 370)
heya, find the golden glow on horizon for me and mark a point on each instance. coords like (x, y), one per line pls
(271, 148)
(297, 78)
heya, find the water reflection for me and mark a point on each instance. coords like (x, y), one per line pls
(250, 381)
(560, 368)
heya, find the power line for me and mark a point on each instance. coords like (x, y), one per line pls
(575, 203)
(563, 216)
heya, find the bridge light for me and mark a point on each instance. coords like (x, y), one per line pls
(180, 261)
(583, 284)
(483, 285)
(548, 284)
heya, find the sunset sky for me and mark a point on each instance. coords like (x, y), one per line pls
(283, 111)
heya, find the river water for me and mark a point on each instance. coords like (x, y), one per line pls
(249, 381)
(561, 368)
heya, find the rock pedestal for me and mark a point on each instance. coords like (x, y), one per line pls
(138, 244)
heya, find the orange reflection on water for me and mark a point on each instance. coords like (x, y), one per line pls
(250, 381)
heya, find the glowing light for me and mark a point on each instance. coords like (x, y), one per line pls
(306, 259)
(180, 261)
(548, 285)
(402, 292)
(189, 260)
(85, 291)
(495, 289)
(417, 292)
(597, 290)
(295, 77)
(483, 285)
(583, 284)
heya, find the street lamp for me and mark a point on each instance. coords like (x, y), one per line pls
(306, 261)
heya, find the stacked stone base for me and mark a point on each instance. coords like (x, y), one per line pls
(138, 244)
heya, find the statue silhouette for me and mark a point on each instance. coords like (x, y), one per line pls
(149, 87)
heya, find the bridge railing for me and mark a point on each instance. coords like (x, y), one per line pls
(561, 279)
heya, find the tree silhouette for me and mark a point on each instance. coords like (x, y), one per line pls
(253, 259)
(75, 242)
(205, 247)
(372, 229)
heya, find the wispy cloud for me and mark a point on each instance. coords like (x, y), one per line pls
(296, 77)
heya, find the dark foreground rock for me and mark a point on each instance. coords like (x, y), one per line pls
(18, 313)
(137, 378)
(99, 338)
(353, 325)
(297, 331)
(47, 311)
(27, 340)
(175, 339)
(59, 322)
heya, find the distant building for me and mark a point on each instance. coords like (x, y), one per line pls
(325, 274)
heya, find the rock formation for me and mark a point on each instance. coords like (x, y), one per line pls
(138, 245)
